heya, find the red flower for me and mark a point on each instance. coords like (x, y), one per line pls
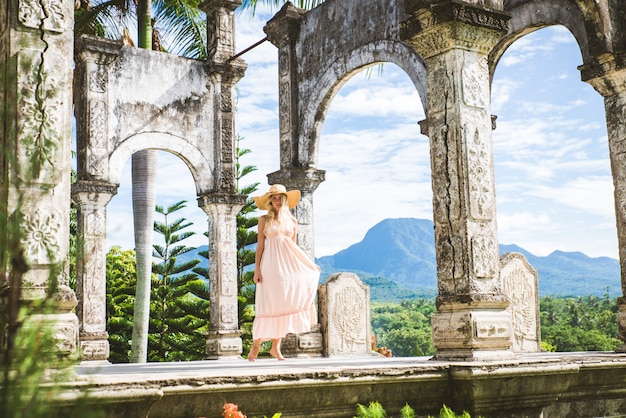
(231, 410)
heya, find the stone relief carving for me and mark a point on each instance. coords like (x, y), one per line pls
(344, 315)
(519, 282)
(95, 350)
(228, 288)
(283, 62)
(225, 31)
(451, 327)
(347, 319)
(95, 223)
(483, 256)
(228, 312)
(212, 34)
(40, 233)
(96, 162)
(98, 79)
(283, 99)
(471, 79)
(480, 184)
(491, 329)
(94, 289)
(40, 109)
(43, 14)
(97, 123)
(230, 345)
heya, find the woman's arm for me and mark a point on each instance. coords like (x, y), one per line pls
(294, 237)
(260, 246)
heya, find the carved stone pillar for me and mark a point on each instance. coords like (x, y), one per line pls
(36, 40)
(91, 198)
(224, 335)
(607, 74)
(226, 73)
(282, 31)
(91, 100)
(454, 39)
(307, 181)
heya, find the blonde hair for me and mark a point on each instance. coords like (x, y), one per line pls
(282, 216)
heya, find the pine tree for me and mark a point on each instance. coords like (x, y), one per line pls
(121, 283)
(246, 244)
(178, 310)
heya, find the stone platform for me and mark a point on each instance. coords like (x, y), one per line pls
(590, 384)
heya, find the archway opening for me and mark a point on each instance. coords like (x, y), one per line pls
(174, 183)
(373, 213)
(179, 291)
(554, 189)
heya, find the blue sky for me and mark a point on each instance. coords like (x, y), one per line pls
(553, 181)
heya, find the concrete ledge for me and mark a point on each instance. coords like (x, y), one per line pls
(553, 384)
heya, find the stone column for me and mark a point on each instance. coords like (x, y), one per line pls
(36, 40)
(91, 198)
(607, 74)
(224, 335)
(226, 73)
(454, 38)
(282, 31)
(307, 181)
(223, 203)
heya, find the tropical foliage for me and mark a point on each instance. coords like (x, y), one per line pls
(567, 324)
(246, 244)
(179, 302)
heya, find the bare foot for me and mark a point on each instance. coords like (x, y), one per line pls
(276, 353)
(254, 352)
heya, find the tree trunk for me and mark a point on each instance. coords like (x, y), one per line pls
(144, 174)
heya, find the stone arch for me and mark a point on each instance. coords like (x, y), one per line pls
(319, 50)
(341, 70)
(586, 20)
(194, 158)
(129, 99)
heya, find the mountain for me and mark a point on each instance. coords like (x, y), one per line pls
(396, 258)
(403, 251)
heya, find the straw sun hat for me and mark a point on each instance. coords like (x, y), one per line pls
(263, 202)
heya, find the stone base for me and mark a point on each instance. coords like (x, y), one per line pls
(64, 328)
(473, 355)
(223, 345)
(473, 334)
(303, 345)
(95, 346)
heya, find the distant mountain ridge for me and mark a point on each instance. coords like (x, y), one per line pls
(396, 258)
(403, 251)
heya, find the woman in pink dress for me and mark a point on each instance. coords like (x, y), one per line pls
(286, 278)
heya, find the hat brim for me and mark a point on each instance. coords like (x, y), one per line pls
(263, 202)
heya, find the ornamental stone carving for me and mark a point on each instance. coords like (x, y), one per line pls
(519, 282)
(50, 15)
(40, 231)
(344, 315)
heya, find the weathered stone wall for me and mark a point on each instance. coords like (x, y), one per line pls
(128, 98)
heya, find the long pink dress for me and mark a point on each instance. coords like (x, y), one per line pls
(285, 298)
